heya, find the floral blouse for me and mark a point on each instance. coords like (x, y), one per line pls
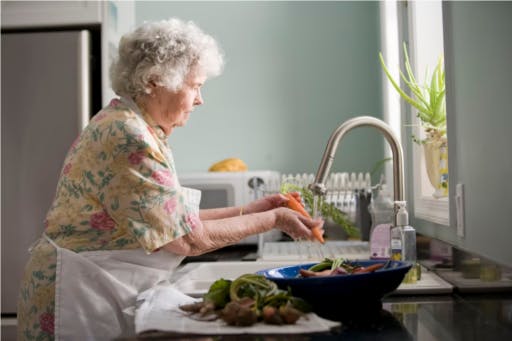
(118, 189)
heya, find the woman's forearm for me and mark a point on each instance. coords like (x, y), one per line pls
(214, 234)
(260, 205)
(220, 213)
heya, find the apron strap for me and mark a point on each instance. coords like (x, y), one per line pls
(38, 240)
(45, 236)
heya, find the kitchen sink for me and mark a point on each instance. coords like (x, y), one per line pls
(194, 279)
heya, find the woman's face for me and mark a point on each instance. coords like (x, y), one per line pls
(172, 109)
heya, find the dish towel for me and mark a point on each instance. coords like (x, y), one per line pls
(158, 310)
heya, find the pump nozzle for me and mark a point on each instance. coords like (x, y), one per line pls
(401, 215)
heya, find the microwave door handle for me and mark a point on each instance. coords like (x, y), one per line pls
(256, 183)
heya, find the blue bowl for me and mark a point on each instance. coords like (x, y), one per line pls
(340, 291)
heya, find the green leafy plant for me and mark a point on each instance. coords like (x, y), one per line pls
(428, 98)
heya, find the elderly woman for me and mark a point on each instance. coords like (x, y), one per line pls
(120, 221)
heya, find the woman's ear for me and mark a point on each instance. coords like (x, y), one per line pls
(152, 84)
(152, 87)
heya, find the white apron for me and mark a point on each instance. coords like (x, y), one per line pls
(92, 288)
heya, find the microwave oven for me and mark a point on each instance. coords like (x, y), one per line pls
(224, 189)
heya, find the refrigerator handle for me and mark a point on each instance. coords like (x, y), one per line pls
(84, 80)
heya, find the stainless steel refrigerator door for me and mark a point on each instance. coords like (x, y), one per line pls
(45, 104)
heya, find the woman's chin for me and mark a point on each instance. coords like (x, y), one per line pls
(180, 124)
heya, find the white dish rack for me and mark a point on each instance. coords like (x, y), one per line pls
(343, 189)
(314, 251)
(336, 182)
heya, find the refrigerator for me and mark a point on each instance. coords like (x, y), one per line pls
(50, 86)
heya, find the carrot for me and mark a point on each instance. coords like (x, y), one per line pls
(317, 233)
(370, 268)
(308, 273)
(297, 206)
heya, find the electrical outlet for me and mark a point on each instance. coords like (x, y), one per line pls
(459, 204)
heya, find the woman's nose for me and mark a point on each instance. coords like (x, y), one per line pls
(199, 98)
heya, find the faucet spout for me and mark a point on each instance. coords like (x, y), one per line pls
(318, 187)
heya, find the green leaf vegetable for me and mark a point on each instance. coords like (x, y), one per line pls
(341, 266)
(331, 264)
(253, 286)
(428, 99)
(219, 293)
(246, 300)
(327, 210)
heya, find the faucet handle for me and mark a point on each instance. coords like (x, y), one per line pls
(318, 189)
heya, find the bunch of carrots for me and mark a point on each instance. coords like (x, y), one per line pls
(296, 205)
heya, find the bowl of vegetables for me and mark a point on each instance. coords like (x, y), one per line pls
(337, 285)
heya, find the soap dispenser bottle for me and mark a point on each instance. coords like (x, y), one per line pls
(381, 211)
(407, 245)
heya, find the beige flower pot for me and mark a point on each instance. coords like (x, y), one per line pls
(436, 162)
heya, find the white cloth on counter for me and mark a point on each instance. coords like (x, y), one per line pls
(158, 310)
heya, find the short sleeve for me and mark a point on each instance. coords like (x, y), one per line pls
(143, 193)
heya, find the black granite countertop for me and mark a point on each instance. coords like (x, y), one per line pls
(466, 314)
(442, 317)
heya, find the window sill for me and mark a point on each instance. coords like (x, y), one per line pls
(431, 209)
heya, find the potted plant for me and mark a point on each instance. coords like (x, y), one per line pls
(429, 101)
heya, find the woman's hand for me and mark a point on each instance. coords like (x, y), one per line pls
(268, 203)
(296, 225)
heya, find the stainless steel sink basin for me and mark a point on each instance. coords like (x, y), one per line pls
(194, 279)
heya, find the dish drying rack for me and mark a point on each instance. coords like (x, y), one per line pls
(343, 188)
(313, 251)
(349, 192)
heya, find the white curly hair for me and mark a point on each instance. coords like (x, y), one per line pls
(163, 52)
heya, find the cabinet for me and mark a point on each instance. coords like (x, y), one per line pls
(114, 18)
(22, 14)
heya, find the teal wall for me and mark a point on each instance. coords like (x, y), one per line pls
(478, 56)
(294, 71)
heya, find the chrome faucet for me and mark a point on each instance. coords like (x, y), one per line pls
(318, 187)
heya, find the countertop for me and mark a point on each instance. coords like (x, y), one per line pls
(459, 315)
(441, 317)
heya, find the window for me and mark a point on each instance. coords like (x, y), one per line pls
(423, 31)
(425, 46)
